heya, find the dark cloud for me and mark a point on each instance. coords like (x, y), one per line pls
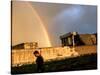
(46, 22)
(63, 18)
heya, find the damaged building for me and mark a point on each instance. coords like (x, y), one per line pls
(73, 38)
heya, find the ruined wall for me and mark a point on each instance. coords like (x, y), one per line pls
(20, 57)
(86, 49)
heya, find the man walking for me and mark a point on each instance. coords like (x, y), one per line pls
(39, 61)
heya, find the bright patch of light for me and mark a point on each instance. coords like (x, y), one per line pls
(70, 13)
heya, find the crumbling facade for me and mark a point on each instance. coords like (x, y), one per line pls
(23, 53)
(76, 39)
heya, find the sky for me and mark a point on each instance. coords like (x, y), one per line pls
(46, 22)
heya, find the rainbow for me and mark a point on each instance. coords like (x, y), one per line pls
(42, 25)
